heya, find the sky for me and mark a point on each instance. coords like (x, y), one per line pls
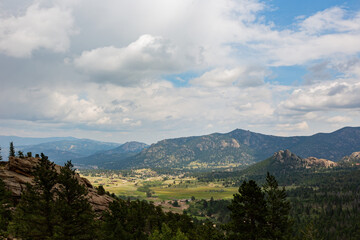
(141, 70)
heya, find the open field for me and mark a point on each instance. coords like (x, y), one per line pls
(161, 188)
(199, 192)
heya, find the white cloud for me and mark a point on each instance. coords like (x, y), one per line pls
(325, 35)
(126, 47)
(241, 76)
(39, 27)
(332, 19)
(324, 96)
(143, 58)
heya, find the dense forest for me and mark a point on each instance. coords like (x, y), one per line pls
(325, 204)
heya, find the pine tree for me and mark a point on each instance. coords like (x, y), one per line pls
(248, 212)
(5, 204)
(34, 217)
(167, 234)
(12, 150)
(75, 215)
(0, 154)
(278, 208)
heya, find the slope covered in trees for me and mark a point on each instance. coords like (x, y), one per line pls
(242, 148)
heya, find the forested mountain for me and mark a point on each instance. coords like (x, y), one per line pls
(112, 158)
(241, 148)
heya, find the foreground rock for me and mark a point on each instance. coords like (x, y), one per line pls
(17, 172)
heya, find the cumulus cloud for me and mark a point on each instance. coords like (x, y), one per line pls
(336, 95)
(240, 76)
(325, 35)
(112, 78)
(38, 27)
(143, 58)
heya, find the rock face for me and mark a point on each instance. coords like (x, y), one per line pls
(352, 160)
(293, 161)
(17, 172)
(286, 162)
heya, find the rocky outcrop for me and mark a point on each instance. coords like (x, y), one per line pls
(17, 173)
(293, 161)
(352, 160)
(319, 162)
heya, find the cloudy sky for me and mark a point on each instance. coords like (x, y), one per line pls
(119, 70)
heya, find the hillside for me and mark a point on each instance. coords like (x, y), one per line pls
(241, 148)
(112, 158)
(286, 162)
(17, 172)
(353, 159)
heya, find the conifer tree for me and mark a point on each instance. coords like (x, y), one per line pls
(5, 204)
(74, 212)
(34, 217)
(248, 213)
(278, 210)
(167, 234)
(12, 150)
(0, 154)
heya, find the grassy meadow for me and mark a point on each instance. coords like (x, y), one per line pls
(160, 187)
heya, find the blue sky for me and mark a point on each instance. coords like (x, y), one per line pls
(142, 70)
(286, 12)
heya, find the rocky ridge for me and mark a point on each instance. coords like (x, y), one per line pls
(293, 161)
(17, 172)
(286, 162)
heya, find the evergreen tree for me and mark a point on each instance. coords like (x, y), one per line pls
(12, 150)
(20, 154)
(0, 154)
(278, 208)
(73, 210)
(167, 234)
(34, 217)
(5, 204)
(248, 213)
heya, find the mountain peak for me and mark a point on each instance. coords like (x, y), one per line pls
(283, 156)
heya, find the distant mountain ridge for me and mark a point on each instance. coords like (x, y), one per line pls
(112, 158)
(64, 150)
(242, 148)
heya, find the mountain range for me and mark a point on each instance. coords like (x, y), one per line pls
(236, 149)
(241, 148)
(59, 149)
